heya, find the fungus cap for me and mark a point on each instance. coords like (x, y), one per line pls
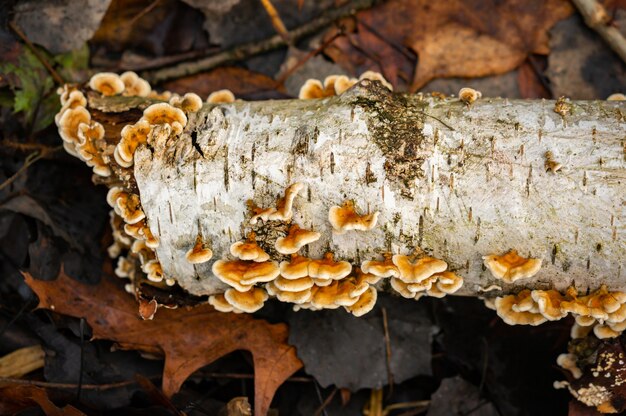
(107, 83)
(296, 268)
(328, 268)
(376, 76)
(504, 309)
(342, 83)
(365, 303)
(384, 268)
(311, 89)
(69, 122)
(242, 274)
(284, 206)
(511, 267)
(135, 85)
(604, 332)
(189, 103)
(402, 288)
(132, 136)
(295, 240)
(344, 218)
(549, 304)
(163, 113)
(293, 285)
(221, 96)
(249, 301)
(220, 304)
(448, 282)
(421, 270)
(199, 253)
(249, 250)
(469, 95)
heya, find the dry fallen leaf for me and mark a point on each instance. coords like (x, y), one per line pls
(189, 338)
(16, 397)
(463, 38)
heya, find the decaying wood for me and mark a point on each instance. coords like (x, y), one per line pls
(458, 182)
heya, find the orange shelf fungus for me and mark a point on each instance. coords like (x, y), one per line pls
(132, 136)
(345, 218)
(284, 206)
(153, 270)
(221, 96)
(421, 270)
(295, 240)
(327, 268)
(365, 303)
(376, 76)
(70, 120)
(135, 86)
(107, 83)
(312, 89)
(130, 208)
(91, 147)
(296, 297)
(200, 252)
(249, 301)
(163, 113)
(505, 310)
(549, 304)
(189, 103)
(293, 285)
(384, 268)
(242, 274)
(249, 250)
(220, 304)
(511, 267)
(448, 282)
(469, 95)
(296, 268)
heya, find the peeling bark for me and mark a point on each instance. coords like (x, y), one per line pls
(458, 182)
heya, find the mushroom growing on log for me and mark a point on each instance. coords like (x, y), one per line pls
(434, 178)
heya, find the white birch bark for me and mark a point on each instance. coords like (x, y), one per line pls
(459, 194)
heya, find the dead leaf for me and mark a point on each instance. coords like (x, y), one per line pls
(529, 81)
(581, 65)
(464, 38)
(62, 25)
(189, 338)
(456, 396)
(243, 83)
(16, 397)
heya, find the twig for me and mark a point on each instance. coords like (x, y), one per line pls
(30, 160)
(251, 49)
(280, 81)
(388, 352)
(27, 147)
(51, 385)
(277, 22)
(144, 12)
(82, 359)
(597, 19)
(319, 397)
(57, 78)
(251, 376)
(326, 402)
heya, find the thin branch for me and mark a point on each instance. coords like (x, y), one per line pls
(597, 19)
(57, 78)
(277, 22)
(255, 48)
(30, 160)
(387, 352)
(51, 385)
(326, 402)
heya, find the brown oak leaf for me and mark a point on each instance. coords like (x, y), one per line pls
(455, 38)
(189, 338)
(15, 398)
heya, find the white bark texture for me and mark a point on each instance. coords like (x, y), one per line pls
(460, 182)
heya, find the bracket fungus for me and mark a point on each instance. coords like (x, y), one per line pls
(284, 206)
(469, 95)
(345, 218)
(221, 96)
(511, 266)
(200, 252)
(107, 83)
(295, 240)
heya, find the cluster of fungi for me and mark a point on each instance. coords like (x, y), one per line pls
(250, 273)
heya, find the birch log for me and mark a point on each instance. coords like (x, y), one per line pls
(459, 182)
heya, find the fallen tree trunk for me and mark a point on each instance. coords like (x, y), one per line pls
(458, 182)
